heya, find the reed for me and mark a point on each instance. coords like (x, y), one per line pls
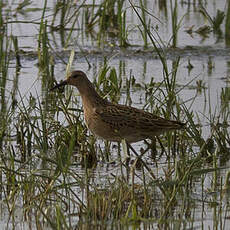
(5, 46)
(227, 25)
(121, 21)
(144, 18)
(174, 19)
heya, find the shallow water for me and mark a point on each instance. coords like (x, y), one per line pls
(209, 57)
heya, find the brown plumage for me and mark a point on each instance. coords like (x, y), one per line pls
(114, 122)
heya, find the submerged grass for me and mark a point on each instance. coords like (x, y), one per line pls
(50, 166)
(52, 190)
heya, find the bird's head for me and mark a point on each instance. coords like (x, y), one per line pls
(75, 78)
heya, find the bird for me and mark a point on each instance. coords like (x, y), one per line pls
(116, 122)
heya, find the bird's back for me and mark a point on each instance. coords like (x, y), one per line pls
(133, 124)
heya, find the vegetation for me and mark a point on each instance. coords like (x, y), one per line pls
(54, 174)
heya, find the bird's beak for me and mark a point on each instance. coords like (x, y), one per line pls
(61, 84)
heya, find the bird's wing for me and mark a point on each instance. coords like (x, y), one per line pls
(121, 116)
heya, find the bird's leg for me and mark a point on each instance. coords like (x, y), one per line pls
(139, 162)
(134, 151)
(128, 155)
(126, 150)
(162, 147)
(151, 146)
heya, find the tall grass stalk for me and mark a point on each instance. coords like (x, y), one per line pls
(5, 45)
(174, 9)
(227, 25)
(16, 49)
(43, 50)
(122, 24)
(144, 32)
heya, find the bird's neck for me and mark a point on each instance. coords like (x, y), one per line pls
(90, 97)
